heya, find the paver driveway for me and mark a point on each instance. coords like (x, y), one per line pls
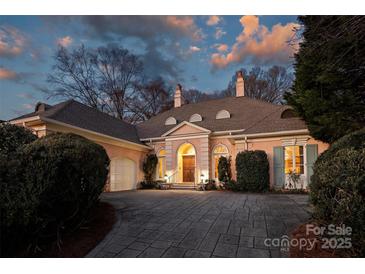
(178, 223)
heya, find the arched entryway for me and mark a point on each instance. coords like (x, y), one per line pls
(186, 160)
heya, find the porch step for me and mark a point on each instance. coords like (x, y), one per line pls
(183, 186)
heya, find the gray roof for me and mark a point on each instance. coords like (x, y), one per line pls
(76, 114)
(255, 116)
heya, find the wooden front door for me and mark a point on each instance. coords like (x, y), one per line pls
(188, 169)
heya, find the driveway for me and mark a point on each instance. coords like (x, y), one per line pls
(179, 223)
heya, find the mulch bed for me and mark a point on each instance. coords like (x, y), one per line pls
(81, 242)
(317, 251)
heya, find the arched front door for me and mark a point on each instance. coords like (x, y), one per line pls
(123, 174)
(186, 163)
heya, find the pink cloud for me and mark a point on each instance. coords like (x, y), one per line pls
(258, 43)
(221, 47)
(185, 24)
(12, 41)
(7, 74)
(194, 49)
(65, 41)
(213, 20)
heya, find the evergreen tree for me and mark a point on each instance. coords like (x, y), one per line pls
(329, 87)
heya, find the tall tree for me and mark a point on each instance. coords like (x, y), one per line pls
(267, 85)
(104, 78)
(151, 99)
(329, 89)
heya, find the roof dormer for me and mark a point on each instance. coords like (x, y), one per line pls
(223, 114)
(195, 118)
(170, 121)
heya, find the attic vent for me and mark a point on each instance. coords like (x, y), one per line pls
(223, 114)
(196, 118)
(288, 113)
(170, 121)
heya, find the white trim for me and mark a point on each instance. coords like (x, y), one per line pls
(266, 134)
(183, 124)
(24, 120)
(94, 132)
(229, 132)
(186, 137)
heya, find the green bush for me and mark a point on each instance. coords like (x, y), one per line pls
(252, 171)
(148, 185)
(149, 167)
(232, 185)
(17, 203)
(224, 169)
(337, 190)
(12, 137)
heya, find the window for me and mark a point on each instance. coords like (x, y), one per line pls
(294, 159)
(170, 121)
(223, 114)
(161, 166)
(195, 118)
(218, 151)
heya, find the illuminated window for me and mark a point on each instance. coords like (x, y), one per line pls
(294, 160)
(161, 166)
(218, 151)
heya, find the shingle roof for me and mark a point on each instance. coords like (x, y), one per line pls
(76, 114)
(255, 116)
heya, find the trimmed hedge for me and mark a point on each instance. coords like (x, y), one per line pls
(60, 177)
(337, 190)
(16, 197)
(12, 137)
(252, 169)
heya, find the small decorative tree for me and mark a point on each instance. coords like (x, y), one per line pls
(294, 180)
(149, 167)
(224, 169)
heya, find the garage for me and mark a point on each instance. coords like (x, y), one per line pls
(122, 174)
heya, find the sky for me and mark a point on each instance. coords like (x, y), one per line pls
(201, 52)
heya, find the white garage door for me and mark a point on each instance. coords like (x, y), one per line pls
(122, 174)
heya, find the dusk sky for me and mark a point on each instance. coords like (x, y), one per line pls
(200, 52)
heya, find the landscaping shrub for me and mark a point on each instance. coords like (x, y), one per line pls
(17, 203)
(12, 137)
(68, 173)
(224, 169)
(337, 190)
(210, 185)
(252, 171)
(232, 185)
(149, 167)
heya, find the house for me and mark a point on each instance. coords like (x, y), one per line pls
(189, 138)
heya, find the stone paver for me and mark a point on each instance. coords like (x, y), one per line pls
(179, 223)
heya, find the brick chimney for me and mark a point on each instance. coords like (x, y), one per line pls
(178, 98)
(240, 85)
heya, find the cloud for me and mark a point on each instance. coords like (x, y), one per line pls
(25, 95)
(219, 33)
(154, 36)
(64, 41)
(213, 20)
(194, 49)
(259, 45)
(221, 47)
(28, 106)
(12, 42)
(7, 74)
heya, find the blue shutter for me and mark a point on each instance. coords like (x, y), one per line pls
(312, 154)
(279, 176)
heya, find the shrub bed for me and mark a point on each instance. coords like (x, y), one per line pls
(252, 171)
(337, 190)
